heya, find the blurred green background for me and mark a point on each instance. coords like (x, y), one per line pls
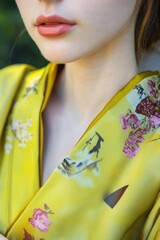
(15, 44)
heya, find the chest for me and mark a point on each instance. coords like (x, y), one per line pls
(61, 134)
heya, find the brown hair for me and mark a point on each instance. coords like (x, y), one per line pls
(147, 29)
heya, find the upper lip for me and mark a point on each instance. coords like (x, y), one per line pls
(42, 20)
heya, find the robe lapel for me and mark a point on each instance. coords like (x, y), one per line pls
(79, 182)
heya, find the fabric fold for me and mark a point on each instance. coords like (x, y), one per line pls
(102, 189)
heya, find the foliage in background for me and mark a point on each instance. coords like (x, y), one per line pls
(14, 37)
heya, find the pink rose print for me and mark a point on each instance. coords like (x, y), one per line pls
(40, 219)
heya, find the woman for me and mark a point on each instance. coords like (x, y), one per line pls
(87, 111)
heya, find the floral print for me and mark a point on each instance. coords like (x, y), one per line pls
(132, 143)
(40, 219)
(129, 120)
(8, 145)
(154, 88)
(154, 121)
(96, 180)
(145, 119)
(20, 131)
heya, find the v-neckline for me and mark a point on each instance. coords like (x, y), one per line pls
(51, 75)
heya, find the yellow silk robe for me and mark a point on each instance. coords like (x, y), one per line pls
(107, 188)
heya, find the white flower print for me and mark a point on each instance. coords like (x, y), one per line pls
(8, 145)
(21, 131)
(8, 148)
(9, 138)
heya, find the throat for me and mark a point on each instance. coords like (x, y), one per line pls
(61, 133)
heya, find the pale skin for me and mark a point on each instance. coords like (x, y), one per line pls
(99, 58)
(96, 54)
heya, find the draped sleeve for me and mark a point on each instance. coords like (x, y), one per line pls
(105, 188)
(152, 225)
(10, 81)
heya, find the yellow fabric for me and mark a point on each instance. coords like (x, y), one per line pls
(107, 188)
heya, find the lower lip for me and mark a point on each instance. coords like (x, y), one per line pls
(53, 30)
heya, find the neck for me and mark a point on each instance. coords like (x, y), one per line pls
(86, 85)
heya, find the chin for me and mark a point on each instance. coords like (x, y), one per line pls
(58, 53)
(59, 56)
(57, 59)
(61, 52)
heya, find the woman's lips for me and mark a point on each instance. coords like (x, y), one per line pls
(52, 26)
(53, 30)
